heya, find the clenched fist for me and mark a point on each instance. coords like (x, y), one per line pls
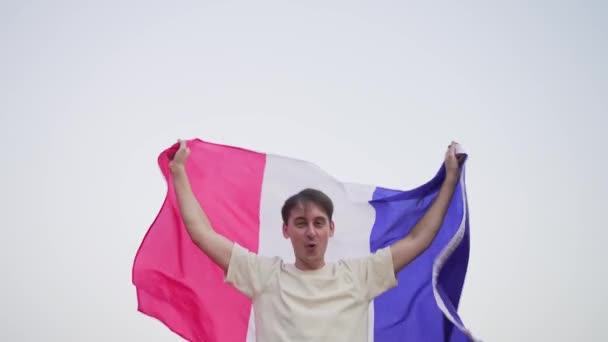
(178, 160)
(453, 162)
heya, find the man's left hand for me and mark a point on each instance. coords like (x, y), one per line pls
(453, 161)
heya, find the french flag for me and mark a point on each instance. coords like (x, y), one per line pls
(242, 191)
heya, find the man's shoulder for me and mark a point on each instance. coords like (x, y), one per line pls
(363, 263)
(242, 252)
(384, 252)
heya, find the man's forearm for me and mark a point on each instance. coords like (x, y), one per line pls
(193, 216)
(216, 246)
(426, 229)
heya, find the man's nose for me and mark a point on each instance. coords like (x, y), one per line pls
(310, 231)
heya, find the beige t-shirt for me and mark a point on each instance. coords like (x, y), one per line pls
(329, 304)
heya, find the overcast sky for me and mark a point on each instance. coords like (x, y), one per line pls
(372, 92)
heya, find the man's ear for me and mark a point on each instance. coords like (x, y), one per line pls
(332, 227)
(285, 235)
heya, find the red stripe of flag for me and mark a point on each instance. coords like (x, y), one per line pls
(178, 284)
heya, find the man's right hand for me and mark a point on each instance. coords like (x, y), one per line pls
(178, 161)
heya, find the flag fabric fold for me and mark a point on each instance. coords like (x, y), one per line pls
(242, 192)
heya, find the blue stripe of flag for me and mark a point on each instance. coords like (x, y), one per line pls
(410, 312)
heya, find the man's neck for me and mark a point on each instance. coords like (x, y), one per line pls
(304, 266)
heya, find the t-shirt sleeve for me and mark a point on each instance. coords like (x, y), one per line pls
(374, 273)
(247, 271)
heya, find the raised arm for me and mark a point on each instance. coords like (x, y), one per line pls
(422, 234)
(216, 246)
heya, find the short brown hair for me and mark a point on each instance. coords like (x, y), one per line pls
(315, 196)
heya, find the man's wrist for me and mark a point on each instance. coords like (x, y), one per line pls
(177, 169)
(451, 177)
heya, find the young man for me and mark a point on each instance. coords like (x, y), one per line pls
(310, 300)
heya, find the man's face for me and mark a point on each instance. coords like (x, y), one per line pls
(309, 230)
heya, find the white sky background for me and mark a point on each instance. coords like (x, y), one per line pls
(372, 92)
